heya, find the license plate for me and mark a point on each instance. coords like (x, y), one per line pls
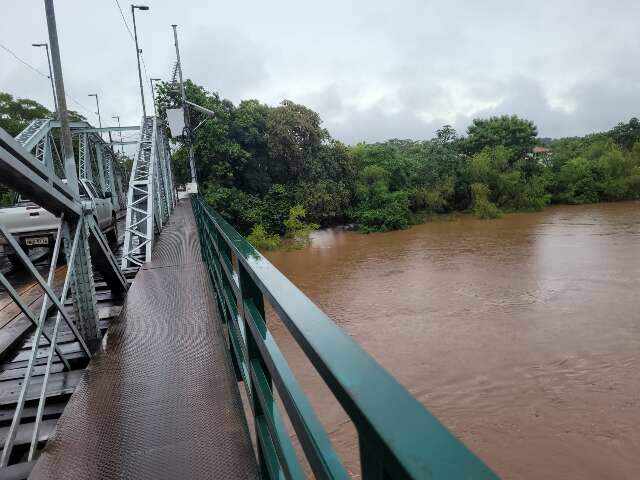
(37, 241)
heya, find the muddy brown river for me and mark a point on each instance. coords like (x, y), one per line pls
(522, 334)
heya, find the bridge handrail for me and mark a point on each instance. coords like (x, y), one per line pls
(398, 437)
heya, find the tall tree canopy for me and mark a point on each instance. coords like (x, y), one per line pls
(260, 164)
(512, 132)
(17, 113)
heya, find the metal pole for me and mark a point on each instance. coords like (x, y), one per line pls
(65, 131)
(135, 34)
(98, 107)
(120, 132)
(192, 164)
(100, 118)
(53, 87)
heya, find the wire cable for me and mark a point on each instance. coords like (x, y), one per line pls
(43, 75)
(124, 20)
(87, 110)
(24, 62)
(126, 24)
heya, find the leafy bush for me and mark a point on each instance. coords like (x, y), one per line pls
(262, 240)
(482, 207)
(242, 210)
(394, 214)
(296, 229)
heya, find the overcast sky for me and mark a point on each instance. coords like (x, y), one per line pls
(373, 69)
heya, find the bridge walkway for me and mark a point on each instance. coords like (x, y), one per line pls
(160, 399)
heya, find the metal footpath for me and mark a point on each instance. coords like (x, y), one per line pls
(160, 399)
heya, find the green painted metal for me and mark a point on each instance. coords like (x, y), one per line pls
(398, 437)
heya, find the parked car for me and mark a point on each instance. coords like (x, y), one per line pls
(34, 227)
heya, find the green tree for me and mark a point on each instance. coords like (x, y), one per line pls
(512, 132)
(626, 134)
(294, 140)
(16, 114)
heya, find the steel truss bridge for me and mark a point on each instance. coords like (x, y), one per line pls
(130, 363)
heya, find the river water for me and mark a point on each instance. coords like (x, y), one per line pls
(522, 334)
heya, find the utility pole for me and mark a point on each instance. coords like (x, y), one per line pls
(82, 284)
(100, 118)
(53, 87)
(120, 132)
(135, 34)
(98, 107)
(185, 108)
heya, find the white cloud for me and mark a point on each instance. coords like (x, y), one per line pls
(372, 69)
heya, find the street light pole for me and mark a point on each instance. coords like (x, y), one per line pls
(99, 117)
(135, 34)
(98, 107)
(53, 87)
(153, 94)
(120, 132)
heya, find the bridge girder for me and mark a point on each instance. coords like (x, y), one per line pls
(150, 198)
(99, 166)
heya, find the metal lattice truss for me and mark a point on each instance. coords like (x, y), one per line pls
(174, 76)
(97, 160)
(39, 322)
(150, 199)
(85, 247)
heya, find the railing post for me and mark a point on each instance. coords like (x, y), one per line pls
(249, 292)
(371, 467)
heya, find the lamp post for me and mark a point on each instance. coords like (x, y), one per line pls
(135, 34)
(153, 94)
(53, 87)
(117, 117)
(98, 107)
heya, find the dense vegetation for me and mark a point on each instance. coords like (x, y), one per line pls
(274, 171)
(257, 164)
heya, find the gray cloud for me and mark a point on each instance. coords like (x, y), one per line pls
(372, 69)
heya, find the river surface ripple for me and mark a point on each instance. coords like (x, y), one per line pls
(522, 334)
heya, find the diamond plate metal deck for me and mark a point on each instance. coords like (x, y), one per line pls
(160, 400)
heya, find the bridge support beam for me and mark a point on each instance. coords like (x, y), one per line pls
(83, 286)
(104, 184)
(84, 157)
(111, 178)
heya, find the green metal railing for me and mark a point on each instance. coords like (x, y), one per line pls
(398, 437)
